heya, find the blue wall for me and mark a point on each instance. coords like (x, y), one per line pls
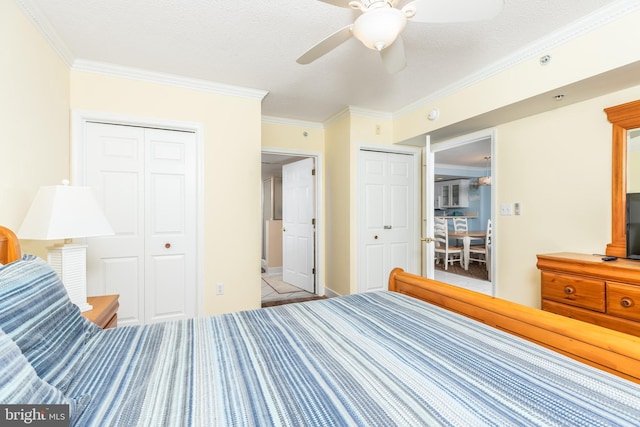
(479, 196)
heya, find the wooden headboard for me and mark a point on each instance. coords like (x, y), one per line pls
(9, 246)
(603, 348)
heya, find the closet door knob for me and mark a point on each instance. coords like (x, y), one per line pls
(167, 245)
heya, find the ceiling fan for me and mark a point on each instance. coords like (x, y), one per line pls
(381, 22)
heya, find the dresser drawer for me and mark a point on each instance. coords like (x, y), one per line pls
(574, 290)
(623, 300)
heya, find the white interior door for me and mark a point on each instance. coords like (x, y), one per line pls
(170, 225)
(428, 246)
(386, 232)
(298, 207)
(145, 181)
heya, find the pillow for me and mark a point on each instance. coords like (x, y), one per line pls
(36, 313)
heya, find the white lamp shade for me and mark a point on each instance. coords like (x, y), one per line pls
(64, 212)
(378, 28)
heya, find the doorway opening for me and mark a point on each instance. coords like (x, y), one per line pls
(463, 193)
(291, 264)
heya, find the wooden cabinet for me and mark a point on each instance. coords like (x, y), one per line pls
(584, 287)
(104, 312)
(451, 194)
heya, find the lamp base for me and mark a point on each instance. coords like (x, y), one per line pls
(69, 261)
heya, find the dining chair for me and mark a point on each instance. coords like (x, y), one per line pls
(450, 254)
(483, 253)
(460, 225)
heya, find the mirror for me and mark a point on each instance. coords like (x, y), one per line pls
(633, 161)
(625, 119)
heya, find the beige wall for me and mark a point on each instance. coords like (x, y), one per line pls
(34, 117)
(292, 136)
(338, 194)
(232, 211)
(558, 166)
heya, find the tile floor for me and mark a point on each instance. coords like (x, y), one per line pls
(269, 294)
(470, 283)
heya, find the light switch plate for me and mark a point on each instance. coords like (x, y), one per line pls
(506, 209)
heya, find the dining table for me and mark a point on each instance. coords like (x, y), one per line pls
(467, 237)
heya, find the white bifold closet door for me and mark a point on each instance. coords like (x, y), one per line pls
(386, 218)
(145, 180)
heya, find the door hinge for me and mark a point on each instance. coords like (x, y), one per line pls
(313, 271)
(313, 221)
(313, 172)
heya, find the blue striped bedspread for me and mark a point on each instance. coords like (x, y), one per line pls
(375, 359)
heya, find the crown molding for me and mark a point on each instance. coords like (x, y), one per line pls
(46, 29)
(41, 23)
(291, 122)
(359, 111)
(336, 117)
(598, 18)
(167, 79)
(352, 110)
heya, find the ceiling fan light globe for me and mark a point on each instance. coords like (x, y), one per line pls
(379, 28)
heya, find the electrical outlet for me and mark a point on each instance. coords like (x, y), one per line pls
(219, 288)
(506, 209)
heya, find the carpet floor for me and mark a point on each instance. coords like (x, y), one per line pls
(476, 270)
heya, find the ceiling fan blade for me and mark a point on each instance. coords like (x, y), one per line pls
(393, 57)
(441, 11)
(326, 45)
(339, 3)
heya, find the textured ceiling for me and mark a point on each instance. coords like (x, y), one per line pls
(254, 44)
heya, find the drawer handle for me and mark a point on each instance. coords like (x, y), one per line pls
(626, 302)
(569, 290)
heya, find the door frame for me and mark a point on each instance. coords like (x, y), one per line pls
(416, 153)
(79, 120)
(319, 208)
(442, 145)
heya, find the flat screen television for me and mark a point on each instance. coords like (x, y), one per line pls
(633, 225)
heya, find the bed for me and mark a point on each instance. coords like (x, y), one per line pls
(423, 353)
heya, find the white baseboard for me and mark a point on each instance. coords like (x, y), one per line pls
(330, 293)
(274, 270)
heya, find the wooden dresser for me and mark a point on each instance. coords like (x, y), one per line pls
(584, 287)
(104, 312)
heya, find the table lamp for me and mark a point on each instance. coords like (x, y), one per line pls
(64, 212)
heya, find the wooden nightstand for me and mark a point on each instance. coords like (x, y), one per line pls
(105, 311)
